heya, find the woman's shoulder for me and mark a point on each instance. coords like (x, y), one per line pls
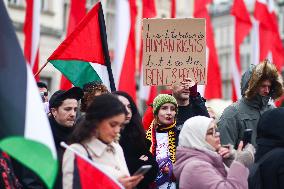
(78, 148)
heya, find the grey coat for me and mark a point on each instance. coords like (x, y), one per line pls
(246, 112)
(239, 116)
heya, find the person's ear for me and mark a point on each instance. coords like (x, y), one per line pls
(53, 111)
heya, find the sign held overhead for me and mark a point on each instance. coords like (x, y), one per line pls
(174, 49)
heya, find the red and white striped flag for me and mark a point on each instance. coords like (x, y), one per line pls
(264, 30)
(77, 12)
(277, 48)
(213, 88)
(147, 93)
(243, 26)
(32, 33)
(125, 48)
(268, 33)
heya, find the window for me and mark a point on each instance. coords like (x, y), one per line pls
(45, 5)
(109, 13)
(225, 66)
(245, 62)
(281, 23)
(90, 4)
(247, 39)
(17, 3)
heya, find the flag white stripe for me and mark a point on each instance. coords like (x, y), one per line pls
(35, 31)
(103, 73)
(122, 31)
(37, 125)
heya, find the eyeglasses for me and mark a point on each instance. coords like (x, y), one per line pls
(213, 132)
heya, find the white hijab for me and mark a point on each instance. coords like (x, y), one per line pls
(193, 133)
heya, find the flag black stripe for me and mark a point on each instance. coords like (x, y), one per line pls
(105, 47)
(13, 79)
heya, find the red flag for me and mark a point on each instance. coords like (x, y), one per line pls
(266, 29)
(87, 176)
(77, 12)
(277, 48)
(125, 51)
(147, 93)
(32, 33)
(173, 8)
(213, 89)
(243, 26)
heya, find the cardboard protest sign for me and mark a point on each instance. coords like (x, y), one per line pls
(174, 49)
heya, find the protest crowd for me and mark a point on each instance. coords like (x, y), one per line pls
(102, 140)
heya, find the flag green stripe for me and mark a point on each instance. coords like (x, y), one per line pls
(78, 72)
(29, 152)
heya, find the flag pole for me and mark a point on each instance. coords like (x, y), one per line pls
(41, 68)
(97, 166)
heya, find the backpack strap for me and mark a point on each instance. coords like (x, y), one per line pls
(89, 155)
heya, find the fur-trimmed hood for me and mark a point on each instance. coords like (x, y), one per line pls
(253, 77)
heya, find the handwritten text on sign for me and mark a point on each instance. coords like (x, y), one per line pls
(173, 49)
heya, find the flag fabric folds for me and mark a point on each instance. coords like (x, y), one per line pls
(243, 26)
(32, 34)
(87, 176)
(77, 12)
(124, 62)
(268, 33)
(25, 132)
(213, 88)
(83, 56)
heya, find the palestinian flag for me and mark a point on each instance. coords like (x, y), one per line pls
(88, 176)
(25, 133)
(83, 56)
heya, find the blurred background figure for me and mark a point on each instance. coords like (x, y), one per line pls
(94, 138)
(162, 134)
(133, 142)
(42, 87)
(270, 149)
(200, 158)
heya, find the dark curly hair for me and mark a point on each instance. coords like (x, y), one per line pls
(133, 133)
(102, 107)
(90, 91)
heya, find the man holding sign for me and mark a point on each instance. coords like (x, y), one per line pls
(190, 103)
